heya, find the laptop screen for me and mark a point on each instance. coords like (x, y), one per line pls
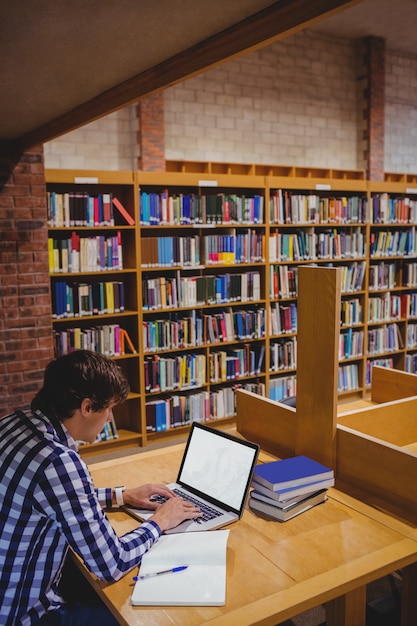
(218, 466)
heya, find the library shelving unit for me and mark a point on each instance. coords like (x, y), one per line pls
(210, 282)
(392, 312)
(203, 280)
(93, 260)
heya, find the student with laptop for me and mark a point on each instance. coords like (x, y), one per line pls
(48, 502)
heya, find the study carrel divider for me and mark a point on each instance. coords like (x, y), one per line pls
(373, 448)
(310, 428)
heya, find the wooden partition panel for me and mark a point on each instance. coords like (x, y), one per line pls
(389, 384)
(319, 290)
(266, 422)
(394, 422)
(381, 471)
(309, 429)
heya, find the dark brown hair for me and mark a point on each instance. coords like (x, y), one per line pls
(78, 375)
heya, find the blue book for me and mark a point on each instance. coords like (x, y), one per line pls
(291, 472)
(284, 495)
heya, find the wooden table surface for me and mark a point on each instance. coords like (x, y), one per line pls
(274, 570)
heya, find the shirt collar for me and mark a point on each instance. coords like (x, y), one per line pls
(57, 429)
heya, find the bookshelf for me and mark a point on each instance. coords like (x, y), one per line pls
(203, 278)
(93, 259)
(210, 273)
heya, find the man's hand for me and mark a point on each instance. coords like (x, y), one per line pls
(173, 512)
(140, 497)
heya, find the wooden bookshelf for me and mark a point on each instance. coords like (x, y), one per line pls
(211, 393)
(113, 281)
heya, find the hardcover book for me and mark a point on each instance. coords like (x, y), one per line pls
(284, 514)
(283, 495)
(290, 472)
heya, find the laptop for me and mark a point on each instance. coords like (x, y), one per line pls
(215, 472)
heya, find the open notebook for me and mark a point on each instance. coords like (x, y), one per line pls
(216, 471)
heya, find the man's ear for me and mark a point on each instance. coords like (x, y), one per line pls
(86, 407)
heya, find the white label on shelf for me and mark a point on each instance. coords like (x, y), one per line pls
(207, 183)
(411, 190)
(204, 225)
(323, 187)
(86, 180)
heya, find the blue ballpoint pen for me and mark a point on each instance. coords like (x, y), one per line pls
(180, 568)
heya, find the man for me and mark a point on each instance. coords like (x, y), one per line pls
(48, 503)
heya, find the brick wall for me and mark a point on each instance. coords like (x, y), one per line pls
(151, 133)
(293, 102)
(25, 308)
(400, 112)
(299, 101)
(375, 110)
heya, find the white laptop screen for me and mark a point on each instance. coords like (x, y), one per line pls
(218, 466)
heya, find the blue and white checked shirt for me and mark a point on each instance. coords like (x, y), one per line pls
(47, 504)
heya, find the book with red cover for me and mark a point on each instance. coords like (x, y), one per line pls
(119, 206)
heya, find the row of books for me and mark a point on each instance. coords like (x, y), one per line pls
(411, 363)
(382, 276)
(283, 355)
(384, 339)
(282, 387)
(73, 299)
(282, 318)
(348, 377)
(386, 307)
(247, 247)
(169, 251)
(285, 488)
(169, 373)
(409, 276)
(351, 312)
(397, 243)
(306, 245)
(283, 279)
(108, 339)
(353, 277)
(350, 344)
(165, 292)
(235, 363)
(85, 254)
(388, 210)
(409, 305)
(197, 329)
(241, 247)
(79, 208)
(412, 336)
(164, 208)
(180, 410)
(287, 207)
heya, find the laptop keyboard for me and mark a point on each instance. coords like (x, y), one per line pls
(207, 512)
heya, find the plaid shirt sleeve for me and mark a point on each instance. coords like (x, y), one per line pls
(67, 495)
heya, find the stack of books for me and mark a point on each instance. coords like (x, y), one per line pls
(283, 489)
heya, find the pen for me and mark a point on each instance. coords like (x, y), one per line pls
(180, 568)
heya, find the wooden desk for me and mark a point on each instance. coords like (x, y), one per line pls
(274, 570)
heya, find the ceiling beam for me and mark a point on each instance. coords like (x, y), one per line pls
(283, 18)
